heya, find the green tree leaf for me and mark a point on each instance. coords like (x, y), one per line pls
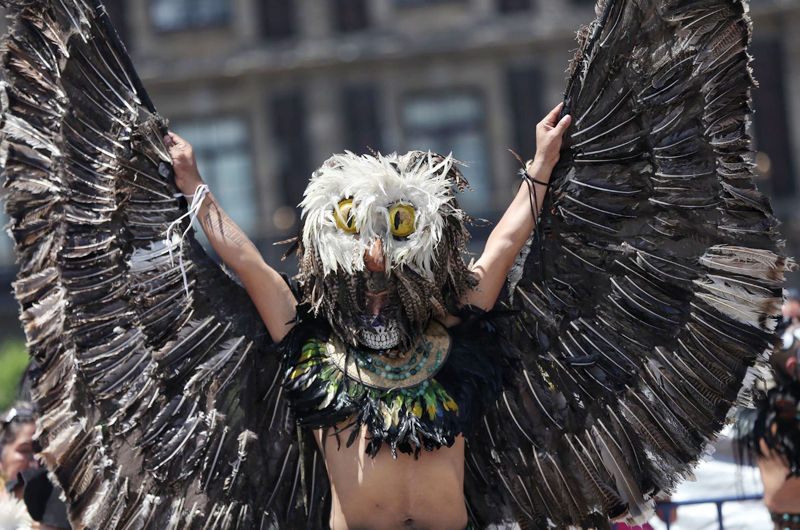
(13, 361)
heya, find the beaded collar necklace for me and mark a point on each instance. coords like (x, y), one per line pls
(409, 369)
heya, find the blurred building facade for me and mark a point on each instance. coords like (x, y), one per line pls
(267, 90)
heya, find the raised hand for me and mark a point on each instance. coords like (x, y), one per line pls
(549, 133)
(187, 177)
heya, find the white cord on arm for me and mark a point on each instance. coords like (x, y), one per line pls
(197, 197)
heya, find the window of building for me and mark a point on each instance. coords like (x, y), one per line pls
(177, 15)
(361, 118)
(772, 135)
(223, 157)
(290, 130)
(351, 15)
(453, 122)
(278, 18)
(525, 98)
(512, 6)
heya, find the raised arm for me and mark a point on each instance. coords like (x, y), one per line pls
(513, 230)
(271, 295)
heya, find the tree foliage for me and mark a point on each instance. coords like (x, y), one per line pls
(13, 361)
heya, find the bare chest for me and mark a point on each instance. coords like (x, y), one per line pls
(383, 493)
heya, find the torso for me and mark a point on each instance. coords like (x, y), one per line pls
(781, 495)
(382, 493)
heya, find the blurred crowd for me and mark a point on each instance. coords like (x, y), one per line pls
(28, 499)
(782, 492)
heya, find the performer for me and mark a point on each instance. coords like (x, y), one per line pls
(770, 434)
(390, 384)
(427, 493)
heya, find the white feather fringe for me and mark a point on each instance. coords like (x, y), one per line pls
(376, 184)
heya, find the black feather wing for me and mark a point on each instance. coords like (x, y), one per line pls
(160, 404)
(655, 283)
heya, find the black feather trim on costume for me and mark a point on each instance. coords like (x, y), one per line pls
(480, 364)
(426, 417)
(776, 421)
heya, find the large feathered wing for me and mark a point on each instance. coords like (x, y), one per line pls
(653, 285)
(159, 397)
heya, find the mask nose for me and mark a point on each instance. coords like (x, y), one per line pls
(375, 304)
(374, 258)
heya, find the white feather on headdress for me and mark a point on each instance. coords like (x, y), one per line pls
(376, 184)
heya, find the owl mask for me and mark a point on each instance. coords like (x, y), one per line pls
(400, 211)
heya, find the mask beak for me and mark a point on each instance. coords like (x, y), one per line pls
(374, 258)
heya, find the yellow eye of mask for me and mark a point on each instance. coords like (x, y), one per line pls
(345, 219)
(402, 219)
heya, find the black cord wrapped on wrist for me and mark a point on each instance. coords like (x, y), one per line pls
(527, 176)
(536, 213)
